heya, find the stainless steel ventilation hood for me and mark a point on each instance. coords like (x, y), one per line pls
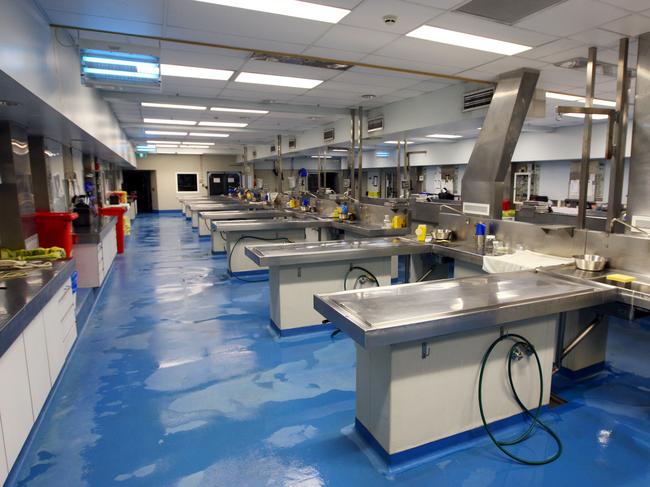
(484, 179)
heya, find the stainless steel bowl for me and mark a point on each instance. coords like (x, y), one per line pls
(590, 262)
(441, 234)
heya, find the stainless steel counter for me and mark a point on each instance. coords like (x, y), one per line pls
(398, 314)
(22, 299)
(235, 205)
(461, 250)
(242, 214)
(97, 230)
(338, 250)
(367, 230)
(270, 225)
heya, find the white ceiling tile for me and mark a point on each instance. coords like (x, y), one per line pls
(370, 13)
(338, 54)
(566, 77)
(355, 39)
(232, 40)
(104, 23)
(255, 95)
(443, 4)
(431, 85)
(597, 37)
(552, 48)
(432, 54)
(200, 59)
(375, 79)
(408, 64)
(509, 63)
(471, 24)
(284, 69)
(632, 25)
(194, 15)
(570, 17)
(568, 54)
(633, 5)
(350, 88)
(149, 11)
(474, 74)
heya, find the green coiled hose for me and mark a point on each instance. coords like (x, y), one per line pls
(501, 445)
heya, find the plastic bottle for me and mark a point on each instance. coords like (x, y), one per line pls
(344, 212)
(480, 237)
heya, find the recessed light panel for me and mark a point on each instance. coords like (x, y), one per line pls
(164, 132)
(194, 72)
(290, 8)
(445, 136)
(172, 106)
(470, 41)
(273, 80)
(207, 134)
(223, 124)
(238, 110)
(165, 121)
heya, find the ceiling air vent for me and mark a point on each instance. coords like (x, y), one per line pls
(376, 124)
(506, 11)
(299, 61)
(328, 135)
(477, 99)
(272, 148)
(292, 143)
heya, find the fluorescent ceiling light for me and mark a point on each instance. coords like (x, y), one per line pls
(207, 134)
(188, 146)
(125, 74)
(453, 38)
(165, 121)
(290, 8)
(141, 66)
(596, 116)
(222, 124)
(382, 154)
(198, 143)
(145, 147)
(238, 110)
(445, 136)
(166, 146)
(163, 132)
(321, 157)
(193, 72)
(339, 150)
(172, 106)
(395, 142)
(273, 80)
(154, 142)
(579, 99)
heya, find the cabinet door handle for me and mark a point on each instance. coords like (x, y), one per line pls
(65, 292)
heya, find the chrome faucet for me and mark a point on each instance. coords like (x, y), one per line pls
(628, 225)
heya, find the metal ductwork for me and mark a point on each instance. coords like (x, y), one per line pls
(639, 196)
(484, 179)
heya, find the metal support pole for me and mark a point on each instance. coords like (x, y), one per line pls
(398, 170)
(352, 159)
(614, 205)
(586, 139)
(359, 194)
(280, 176)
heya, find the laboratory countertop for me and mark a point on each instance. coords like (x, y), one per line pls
(97, 230)
(410, 312)
(229, 205)
(368, 230)
(22, 299)
(337, 250)
(270, 225)
(242, 214)
(459, 250)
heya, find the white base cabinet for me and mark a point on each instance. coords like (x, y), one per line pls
(29, 368)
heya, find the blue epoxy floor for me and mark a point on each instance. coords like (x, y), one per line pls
(176, 381)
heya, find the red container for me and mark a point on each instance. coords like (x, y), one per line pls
(55, 230)
(117, 211)
(505, 205)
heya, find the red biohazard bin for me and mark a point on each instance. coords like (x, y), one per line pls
(117, 211)
(55, 230)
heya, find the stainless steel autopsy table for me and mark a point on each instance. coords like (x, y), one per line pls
(195, 208)
(419, 349)
(207, 217)
(264, 231)
(300, 270)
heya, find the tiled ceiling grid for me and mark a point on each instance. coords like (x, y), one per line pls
(557, 33)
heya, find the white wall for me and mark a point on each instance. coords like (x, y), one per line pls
(32, 56)
(166, 166)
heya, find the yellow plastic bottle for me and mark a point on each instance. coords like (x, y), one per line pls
(421, 233)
